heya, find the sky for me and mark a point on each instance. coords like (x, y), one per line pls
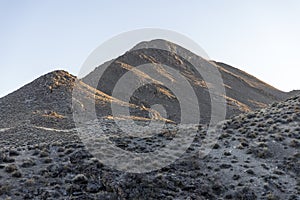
(259, 37)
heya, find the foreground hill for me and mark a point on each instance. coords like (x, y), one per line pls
(257, 156)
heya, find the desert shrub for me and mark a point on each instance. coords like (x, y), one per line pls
(4, 188)
(294, 143)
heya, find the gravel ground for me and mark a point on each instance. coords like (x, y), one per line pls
(257, 156)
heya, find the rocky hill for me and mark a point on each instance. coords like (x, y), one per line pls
(244, 92)
(47, 101)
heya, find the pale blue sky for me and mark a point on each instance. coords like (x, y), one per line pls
(260, 37)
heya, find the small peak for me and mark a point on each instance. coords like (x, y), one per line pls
(59, 73)
(55, 79)
(61, 77)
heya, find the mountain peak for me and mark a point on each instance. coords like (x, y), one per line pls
(156, 43)
(186, 49)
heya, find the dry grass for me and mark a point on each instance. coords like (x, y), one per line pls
(258, 104)
(241, 106)
(138, 73)
(165, 92)
(137, 118)
(54, 115)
